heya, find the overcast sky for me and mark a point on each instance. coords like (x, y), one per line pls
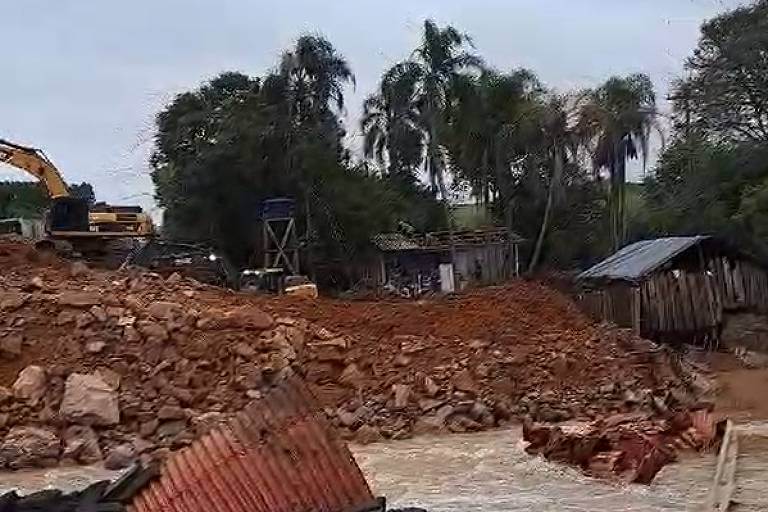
(83, 79)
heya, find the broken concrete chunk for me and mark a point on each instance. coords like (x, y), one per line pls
(152, 330)
(171, 412)
(368, 434)
(88, 400)
(30, 384)
(10, 346)
(121, 457)
(29, 447)
(94, 347)
(352, 376)
(11, 301)
(464, 381)
(99, 313)
(402, 395)
(81, 444)
(78, 269)
(164, 310)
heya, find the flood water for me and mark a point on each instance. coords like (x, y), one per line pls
(489, 471)
(482, 472)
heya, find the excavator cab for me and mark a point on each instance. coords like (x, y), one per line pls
(68, 214)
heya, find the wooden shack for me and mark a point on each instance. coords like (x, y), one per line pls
(482, 256)
(674, 289)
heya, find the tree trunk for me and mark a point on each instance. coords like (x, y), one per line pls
(555, 183)
(505, 193)
(437, 169)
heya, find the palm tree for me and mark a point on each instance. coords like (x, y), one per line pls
(441, 60)
(316, 75)
(494, 129)
(559, 142)
(391, 123)
(414, 100)
(615, 121)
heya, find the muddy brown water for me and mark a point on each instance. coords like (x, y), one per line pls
(484, 472)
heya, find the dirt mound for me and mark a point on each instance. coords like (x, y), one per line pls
(178, 356)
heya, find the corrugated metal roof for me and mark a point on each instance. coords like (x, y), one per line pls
(395, 242)
(277, 455)
(641, 258)
(441, 240)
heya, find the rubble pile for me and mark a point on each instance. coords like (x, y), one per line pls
(626, 447)
(119, 365)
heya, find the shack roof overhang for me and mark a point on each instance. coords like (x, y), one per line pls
(440, 241)
(637, 261)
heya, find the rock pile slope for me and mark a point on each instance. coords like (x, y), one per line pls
(124, 364)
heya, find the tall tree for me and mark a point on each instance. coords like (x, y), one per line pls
(726, 92)
(615, 121)
(493, 131)
(440, 60)
(560, 143)
(223, 148)
(392, 123)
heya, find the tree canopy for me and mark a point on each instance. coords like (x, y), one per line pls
(549, 165)
(237, 140)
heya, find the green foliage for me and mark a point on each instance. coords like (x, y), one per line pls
(407, 119)
(615, 123)
(703, 187)
(712, 179)
(550, 167)
(236, 141)
(29, 200)
(726, 93)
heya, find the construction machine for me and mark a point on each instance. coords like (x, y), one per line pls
(100, 232)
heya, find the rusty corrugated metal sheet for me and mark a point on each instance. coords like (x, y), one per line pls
(276, 455)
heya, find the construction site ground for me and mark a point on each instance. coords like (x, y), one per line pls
(104, 367)
(130, 359)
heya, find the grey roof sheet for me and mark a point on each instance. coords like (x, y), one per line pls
(641, 258)
(394, 242)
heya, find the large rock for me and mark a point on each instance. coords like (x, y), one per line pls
(165, 310)
(30, 384)
(10, 346)
(29, 447)
(152, 330)
(121, 457)
(464, 381)
(88, 400)
(244, 317)
(81, 444)
(11, 301)
(79, 299)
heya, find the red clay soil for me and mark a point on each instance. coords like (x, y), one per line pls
(466, 362)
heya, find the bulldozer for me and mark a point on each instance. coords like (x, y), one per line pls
(100, 233)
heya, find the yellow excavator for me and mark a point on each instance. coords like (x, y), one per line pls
(71, 223)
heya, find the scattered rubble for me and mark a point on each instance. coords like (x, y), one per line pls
(626, 447)
(131, 355)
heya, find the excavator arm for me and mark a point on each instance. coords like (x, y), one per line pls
(35, 163)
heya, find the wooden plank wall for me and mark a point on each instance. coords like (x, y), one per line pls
(744, 285)
(679, 304)
(496, 263)
(682, 304)
(616, 303)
